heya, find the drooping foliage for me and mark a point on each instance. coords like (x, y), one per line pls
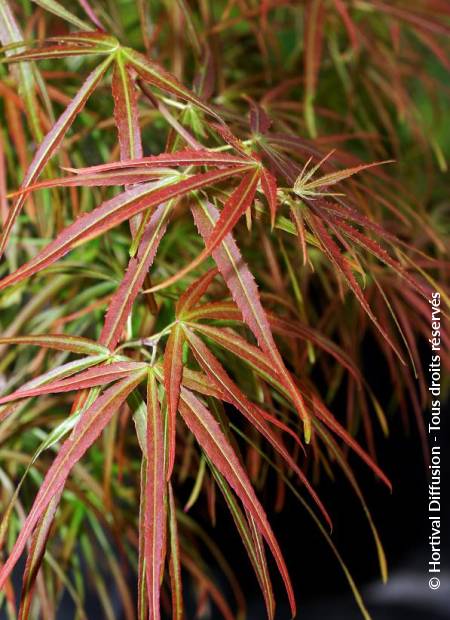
(208, 210)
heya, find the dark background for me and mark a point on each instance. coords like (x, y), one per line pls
(322, 590)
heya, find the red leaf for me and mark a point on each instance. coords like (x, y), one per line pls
(252, 412)
(125, 111)
(154, 74)
(184, 157)
(99, 375)
(237, 204)
(155, 513)
(269, 187)
(215, 445)
(259, 121)
(332, 251)
(60, 342)
(173, 371)
(245, 293)
(51, 143)
(194, 293)
(88, 429)
(123, 299)
(219, 310)
(35, 557)
(110, 214)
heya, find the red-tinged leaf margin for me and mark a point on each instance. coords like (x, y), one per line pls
(59, 372)
(254, 414)
(269, 187)
(334, 254)
(122, 301)
(35, 556)
(173, 372)
(183, 157)
(244, 290)
(110, 214)
(194, 293)
(154, 74)
(215, 445)
(237, 204)
(91, 14)
(125, 110)
(119, 173)
(99, 375)
(52, 141)
(327, 418)
(60, 342)
(88, 429)
(155, 502)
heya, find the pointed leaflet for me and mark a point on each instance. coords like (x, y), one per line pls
(110, 214)
(125, 110)
(91, 424)
(56, 373)
(100, 375)
(135, 170)
(123, 299)
(252, 412)
(264, 576)
(173, 371)
(227, 310)
(183, 157)
(325, 534)
(336, 257)
(125, 176)
(51, 143)
(35, 557)
(269, 187)
(60, 342)
(328, 419)
(237, 204)
(245, 293)
(215, 445)
(231, 341)
(74, 44)
(155, 501)
(155, 75)
(304, 187)
(379, 252)
(194, 293)
(58, 50)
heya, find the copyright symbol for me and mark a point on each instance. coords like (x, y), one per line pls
(434, 583)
